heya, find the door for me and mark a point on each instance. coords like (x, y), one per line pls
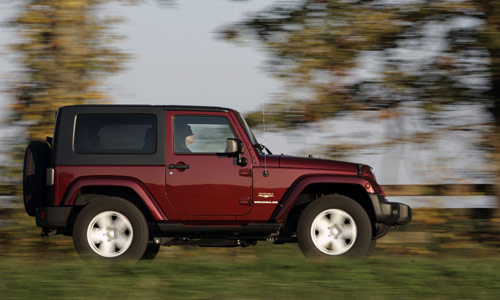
(203, 180)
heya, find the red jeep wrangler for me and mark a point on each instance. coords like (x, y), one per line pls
(124, 180)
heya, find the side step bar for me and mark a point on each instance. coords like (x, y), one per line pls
(251, 230)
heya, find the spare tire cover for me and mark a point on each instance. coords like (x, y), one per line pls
(36, 162)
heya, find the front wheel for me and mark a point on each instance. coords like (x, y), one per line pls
(334, 225)
(111, 228)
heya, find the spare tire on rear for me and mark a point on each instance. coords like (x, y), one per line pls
(36, 161)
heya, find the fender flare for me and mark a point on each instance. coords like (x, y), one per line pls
(298, 186)
(138, 187)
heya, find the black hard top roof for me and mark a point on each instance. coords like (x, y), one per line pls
(164, 107)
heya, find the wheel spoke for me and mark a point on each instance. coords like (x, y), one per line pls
(121, 241)
(96, 235)
(347, 232)
(322, 224)
(324, 241)
(339, 244)
(120, 225)
(107, 246)
(105, 221)
(337, 219)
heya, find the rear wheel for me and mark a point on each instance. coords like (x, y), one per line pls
(334, 225)
(111, 228)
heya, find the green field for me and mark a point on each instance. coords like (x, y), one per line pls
(262, 272)
(440, 255)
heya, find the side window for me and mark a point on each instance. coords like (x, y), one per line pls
(115, 133)
(201, 134)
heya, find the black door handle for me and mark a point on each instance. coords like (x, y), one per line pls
(182, 167)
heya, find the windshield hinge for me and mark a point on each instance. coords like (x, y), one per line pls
(360, 170)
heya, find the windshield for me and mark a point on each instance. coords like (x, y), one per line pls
(247, 129)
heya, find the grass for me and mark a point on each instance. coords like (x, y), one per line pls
(401, 268)
(265, 271)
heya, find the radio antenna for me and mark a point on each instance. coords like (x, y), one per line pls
(266, 173)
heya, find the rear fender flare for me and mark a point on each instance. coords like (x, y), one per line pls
(138, 187)
(302, 183)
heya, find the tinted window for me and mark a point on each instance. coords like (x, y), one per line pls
(201, 134)
(115, 133)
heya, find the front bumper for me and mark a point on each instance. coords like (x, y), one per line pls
(52, 217)
(390, 213)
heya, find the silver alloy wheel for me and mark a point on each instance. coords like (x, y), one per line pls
(333, 231)
(110, 234)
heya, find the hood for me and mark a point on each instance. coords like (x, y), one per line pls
(316, 163)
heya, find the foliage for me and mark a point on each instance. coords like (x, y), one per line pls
(416, 49)
(66, 48)
(426, 54)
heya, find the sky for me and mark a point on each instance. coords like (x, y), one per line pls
(179, 60)
(176, 57)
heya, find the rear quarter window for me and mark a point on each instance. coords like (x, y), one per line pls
(115, 134)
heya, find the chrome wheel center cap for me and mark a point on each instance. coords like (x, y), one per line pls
(335, 231)
(111, 234)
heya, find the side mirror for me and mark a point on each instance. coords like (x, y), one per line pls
(234, 147)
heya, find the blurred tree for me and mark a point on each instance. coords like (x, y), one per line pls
(315, 45)
(491, 40)
(64, 50)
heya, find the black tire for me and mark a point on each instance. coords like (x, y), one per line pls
(151, 252)
(334, 225)
(371, 248)
(36, 162)
(124, 235)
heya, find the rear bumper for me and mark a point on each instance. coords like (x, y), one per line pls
(52, 217)
(390, 213)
